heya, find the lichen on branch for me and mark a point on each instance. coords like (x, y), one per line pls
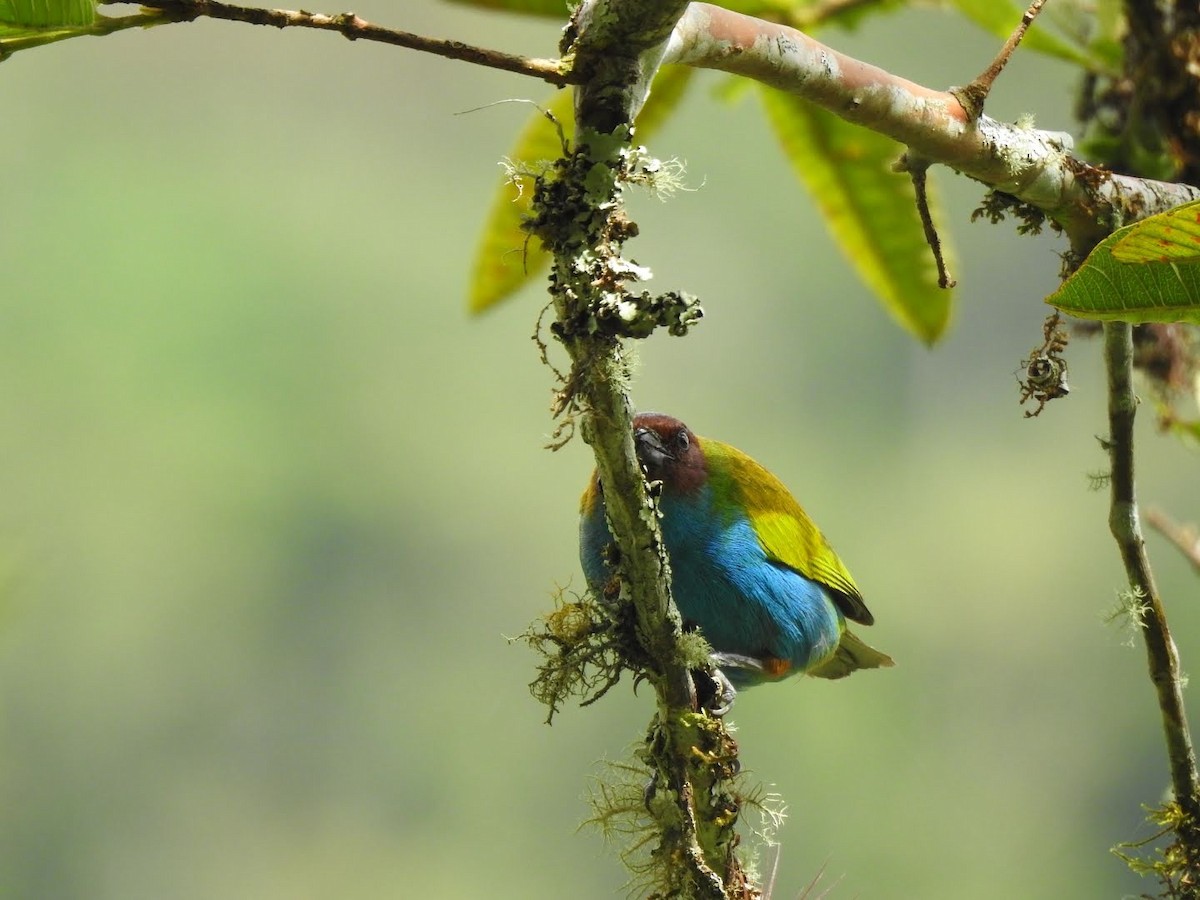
(578, 214)
(1161, 655)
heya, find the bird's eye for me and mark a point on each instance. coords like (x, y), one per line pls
(682, 440)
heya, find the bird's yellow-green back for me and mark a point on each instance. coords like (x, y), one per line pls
(784, 529)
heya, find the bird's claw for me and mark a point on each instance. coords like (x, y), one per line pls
(726, 694)
(718, 695)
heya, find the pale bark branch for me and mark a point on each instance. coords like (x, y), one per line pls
(1033, 165)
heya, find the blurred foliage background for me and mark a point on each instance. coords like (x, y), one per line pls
(271, 501)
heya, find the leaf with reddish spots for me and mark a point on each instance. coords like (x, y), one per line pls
(1140, 273)
(1173, 236)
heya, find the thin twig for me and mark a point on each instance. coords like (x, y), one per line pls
(918, 171)
(1185, 537)
(1161, 654)
(351, 26)
(975, 93)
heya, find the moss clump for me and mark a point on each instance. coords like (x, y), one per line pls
(585, 645)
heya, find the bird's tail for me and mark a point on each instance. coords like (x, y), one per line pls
(852, 653)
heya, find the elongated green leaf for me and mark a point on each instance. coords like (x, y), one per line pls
(15, 38)
(1000, 17)
(32, 23)
(506, 258)
(868, 208)
(22, 15)
(1173, 236)
(1105, 288)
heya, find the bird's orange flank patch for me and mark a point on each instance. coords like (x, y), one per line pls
(776, 668)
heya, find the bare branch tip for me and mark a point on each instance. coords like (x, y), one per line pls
(973, 96)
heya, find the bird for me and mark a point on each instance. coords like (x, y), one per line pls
(749, 568)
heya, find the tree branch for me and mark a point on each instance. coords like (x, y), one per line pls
(351, 26)
(1126, 529)
(975, 93)
(1034, 166)
(616, 46)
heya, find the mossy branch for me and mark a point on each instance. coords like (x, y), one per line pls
(579, 215)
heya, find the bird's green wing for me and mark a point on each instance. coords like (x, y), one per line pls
(784, 529)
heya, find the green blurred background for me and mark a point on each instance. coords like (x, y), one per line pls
(271, 501)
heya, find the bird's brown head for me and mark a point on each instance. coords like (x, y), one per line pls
(669, 451)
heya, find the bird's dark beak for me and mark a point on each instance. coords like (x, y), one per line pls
(650, 449)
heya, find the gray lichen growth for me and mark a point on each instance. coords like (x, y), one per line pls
(573, 211)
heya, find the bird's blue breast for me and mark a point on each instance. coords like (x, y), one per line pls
(723, 582)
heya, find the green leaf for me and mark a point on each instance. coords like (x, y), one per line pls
(507, 258)
(32, 23)
(25, 15)
(1173, 236)
(1001, 17)
(869, 209)
(1107, 289)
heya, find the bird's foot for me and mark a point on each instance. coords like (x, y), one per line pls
(715, 692)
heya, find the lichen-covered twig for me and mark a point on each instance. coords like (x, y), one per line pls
(1161, 655)
(616, 45)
